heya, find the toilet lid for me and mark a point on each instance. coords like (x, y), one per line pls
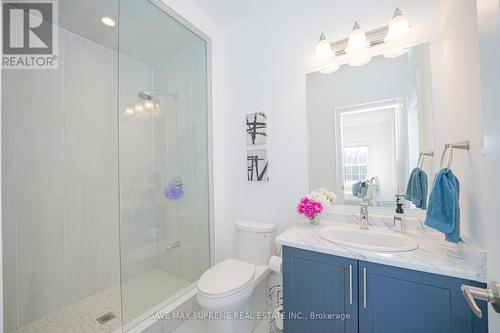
(227, 277)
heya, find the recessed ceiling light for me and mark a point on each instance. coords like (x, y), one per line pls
(108, 21)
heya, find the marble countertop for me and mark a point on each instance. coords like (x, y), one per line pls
(434, 254)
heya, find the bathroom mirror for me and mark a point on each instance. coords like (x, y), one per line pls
(369, 124)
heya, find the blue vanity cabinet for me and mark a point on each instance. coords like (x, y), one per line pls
(395, 300)
(385, 299)
(316, 285)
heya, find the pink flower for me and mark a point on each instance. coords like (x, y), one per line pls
(310, 208)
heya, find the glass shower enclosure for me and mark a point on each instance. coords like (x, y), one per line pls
(105, 171)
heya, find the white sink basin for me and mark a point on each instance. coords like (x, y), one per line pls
(371, 239)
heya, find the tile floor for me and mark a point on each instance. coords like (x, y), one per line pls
(140, 294)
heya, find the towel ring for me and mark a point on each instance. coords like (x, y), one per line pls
(459, 145)
(420, 162)
(421, 157)
(450, 157)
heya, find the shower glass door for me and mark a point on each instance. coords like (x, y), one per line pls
(163, 159)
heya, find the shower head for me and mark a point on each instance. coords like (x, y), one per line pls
(145, 95)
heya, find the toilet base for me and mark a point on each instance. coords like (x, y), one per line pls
(246, 317)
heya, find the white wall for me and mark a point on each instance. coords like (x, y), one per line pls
(461, 116)
(267, 57)
(489, 43)
(471, 76)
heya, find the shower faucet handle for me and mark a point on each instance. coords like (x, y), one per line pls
(173, 245)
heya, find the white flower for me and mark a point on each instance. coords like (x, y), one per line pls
(324, 196)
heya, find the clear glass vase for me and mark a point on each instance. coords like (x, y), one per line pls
(315, 220)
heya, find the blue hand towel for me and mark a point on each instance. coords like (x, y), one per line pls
(416, 190)
(443, 213)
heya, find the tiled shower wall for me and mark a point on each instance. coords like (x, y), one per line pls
(60, 178)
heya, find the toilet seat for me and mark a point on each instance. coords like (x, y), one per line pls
(227, 278)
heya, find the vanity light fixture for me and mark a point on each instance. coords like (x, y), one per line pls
(325, 55)
(106, 20)
(323, 49)
(357, 42)
(356, 45)
(360, 47)
(399, 28)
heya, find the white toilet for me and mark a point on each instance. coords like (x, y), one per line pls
(233, 292)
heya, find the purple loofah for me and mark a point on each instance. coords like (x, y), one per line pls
(173, 191)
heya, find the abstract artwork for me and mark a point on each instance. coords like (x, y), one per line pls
(257, 165)
(256, 128)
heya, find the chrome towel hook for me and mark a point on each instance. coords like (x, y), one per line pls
(465, 145)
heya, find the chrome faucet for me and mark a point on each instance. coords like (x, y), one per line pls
(363, 214)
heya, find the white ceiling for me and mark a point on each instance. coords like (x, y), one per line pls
(225, 12)
(146, 32)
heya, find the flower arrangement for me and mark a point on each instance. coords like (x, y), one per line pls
(314, 204)
(310, 208)
(324, 196)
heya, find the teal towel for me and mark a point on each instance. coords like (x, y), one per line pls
(359, 189)
(443, 213)
(356, 188)
(416, 190)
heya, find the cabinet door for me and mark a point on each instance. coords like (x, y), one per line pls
(318, 290)
(395, 300)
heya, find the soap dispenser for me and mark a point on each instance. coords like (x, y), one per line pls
(399, 216)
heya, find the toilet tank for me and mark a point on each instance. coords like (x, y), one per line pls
(255, 242)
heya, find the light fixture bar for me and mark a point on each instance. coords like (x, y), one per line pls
(360, 47)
